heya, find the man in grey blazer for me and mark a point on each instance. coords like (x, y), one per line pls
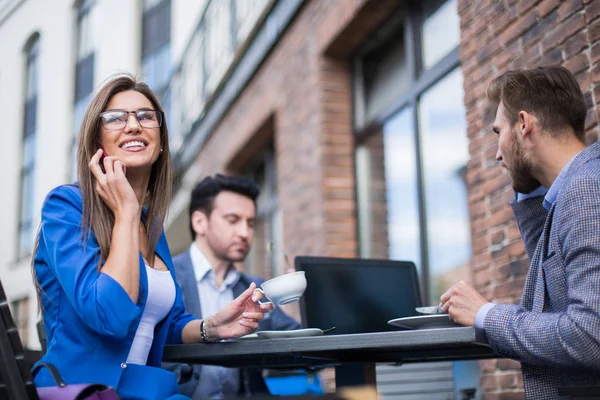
(222, 216)
(555, 330)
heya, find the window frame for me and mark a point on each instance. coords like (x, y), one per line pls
(411, 16)
(27, 168)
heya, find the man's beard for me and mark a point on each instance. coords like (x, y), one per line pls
(520, 172)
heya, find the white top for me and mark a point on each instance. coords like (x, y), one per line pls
(161, 296)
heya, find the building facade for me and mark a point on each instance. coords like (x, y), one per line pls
(54, 55)
(364, 121)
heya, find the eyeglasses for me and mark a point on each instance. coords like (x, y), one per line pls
(117, 119)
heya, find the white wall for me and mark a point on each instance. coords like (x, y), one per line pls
(116, 27)
(53, 21)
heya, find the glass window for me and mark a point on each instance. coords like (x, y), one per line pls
(84, 77)
(441, 33)
(445, 154)
(385, 72)
(156, 44)
(401, 183)
(25, 244)
(418, 156)
(266, 257)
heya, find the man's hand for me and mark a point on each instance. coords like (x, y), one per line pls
(462, 302)
(240, 317)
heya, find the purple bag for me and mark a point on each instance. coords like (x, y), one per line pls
(80, 391)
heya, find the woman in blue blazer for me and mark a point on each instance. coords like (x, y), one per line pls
(105, 277)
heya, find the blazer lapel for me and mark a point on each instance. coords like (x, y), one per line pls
(189, 285)
(539, 292)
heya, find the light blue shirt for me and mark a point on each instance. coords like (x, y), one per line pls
(215, 382)
(549, 200)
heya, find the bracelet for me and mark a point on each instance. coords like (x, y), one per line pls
(203, 334)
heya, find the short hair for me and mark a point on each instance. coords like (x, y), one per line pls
(550, 93)
(204, 193)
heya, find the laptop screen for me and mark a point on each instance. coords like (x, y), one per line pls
(357, 295)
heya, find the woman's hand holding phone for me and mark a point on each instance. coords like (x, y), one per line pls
(112, 185)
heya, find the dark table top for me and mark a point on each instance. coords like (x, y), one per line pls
(456, 343)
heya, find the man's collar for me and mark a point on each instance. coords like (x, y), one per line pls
(202, 267)
(552, 195)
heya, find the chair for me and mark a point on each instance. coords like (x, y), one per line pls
(16, 382)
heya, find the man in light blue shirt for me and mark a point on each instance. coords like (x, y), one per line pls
(555, 330)
(222, 217)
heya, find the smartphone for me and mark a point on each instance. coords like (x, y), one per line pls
(101, 161)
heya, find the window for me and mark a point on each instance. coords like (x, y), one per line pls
(266, 258)
(25, 246)
(219, 45)
(412, 152)
(84, 74)
(20, 313)
(411, 167)
(156, 45)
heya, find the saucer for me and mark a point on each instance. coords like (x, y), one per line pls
(289, 334)
(424, 322)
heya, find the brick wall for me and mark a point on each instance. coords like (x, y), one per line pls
(304, 86)
(497, 36)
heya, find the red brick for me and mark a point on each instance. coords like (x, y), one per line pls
(499, 182)
(590, 119)
(595, 53)
(552, 57)
(547, 6)
(592, 11)
(578, 63)
(514, 249)
(506, 18)
(506, 364)
(489, 49)
(519, 267)
(513, 395)
(584, 78)
(482, 260)
(488, 382)
(523, 24)
(540, 29)
(568, 8)
(528, 57)
(500, 199)
(510, 288)
(483, 277)
(513, 232)
(575, 45)
(508, 380)
(525, 5)
(563, 31)
(501, 272)
(594, 30)
(488, 365)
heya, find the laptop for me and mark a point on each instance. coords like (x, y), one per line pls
(357, 295)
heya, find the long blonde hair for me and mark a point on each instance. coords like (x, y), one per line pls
(97, 216)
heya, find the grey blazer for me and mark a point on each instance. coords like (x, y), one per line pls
(188, 376)
(555, 330)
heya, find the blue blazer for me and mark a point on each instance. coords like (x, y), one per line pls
(555, 331)
(188, 376)
(90, 320)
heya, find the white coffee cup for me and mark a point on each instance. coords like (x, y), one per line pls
(285, 288)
